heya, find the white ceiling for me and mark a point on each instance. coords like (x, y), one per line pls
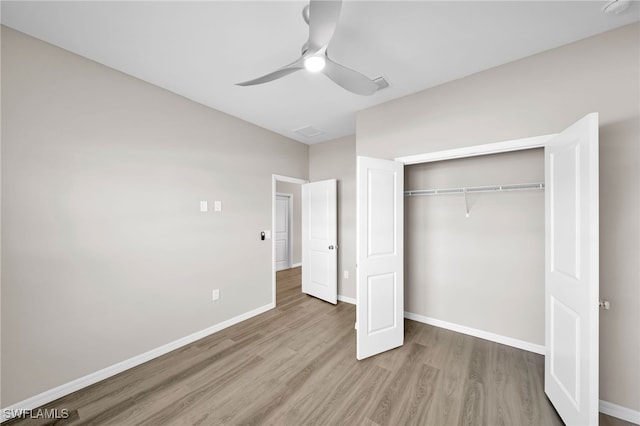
(200, 49)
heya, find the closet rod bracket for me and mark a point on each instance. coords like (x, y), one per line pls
(466, 202)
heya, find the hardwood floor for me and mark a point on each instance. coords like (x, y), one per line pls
(296, 365)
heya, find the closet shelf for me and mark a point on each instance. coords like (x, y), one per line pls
(475, 189)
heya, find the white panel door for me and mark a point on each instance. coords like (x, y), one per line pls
(319, 240)
(282, 232)
(380, 281)
(571, 272)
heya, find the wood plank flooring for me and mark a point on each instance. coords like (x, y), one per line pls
(296, 365)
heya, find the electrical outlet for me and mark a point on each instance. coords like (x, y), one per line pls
(346, 275)
(215, 294)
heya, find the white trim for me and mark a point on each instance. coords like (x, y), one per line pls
(347, 299)
(473, 151)
(274, 178)
(620, 412)
(509, 341)
(289, 179)
(295, 265)
(82, 382)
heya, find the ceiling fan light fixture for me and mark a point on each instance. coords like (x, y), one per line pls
(314, 63)
(323, 19)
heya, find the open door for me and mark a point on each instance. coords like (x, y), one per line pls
(319, 240)
(281, 233)
(571, 272)
(380, 246)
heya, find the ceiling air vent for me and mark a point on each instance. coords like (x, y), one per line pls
(381, 82)
(308, 131)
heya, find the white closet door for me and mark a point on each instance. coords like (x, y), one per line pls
(380, 281)
(571, 272)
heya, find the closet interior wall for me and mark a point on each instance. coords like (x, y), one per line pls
(485, 271)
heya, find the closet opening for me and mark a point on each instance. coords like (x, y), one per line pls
(474, 244)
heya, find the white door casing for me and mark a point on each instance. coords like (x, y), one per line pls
(571, 272)
(281, 231)
(319, 240)
(380, 251)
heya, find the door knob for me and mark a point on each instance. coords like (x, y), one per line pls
(331, 247)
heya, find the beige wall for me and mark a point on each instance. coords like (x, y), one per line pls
(105, 254)
(337, 160)
(478, 270)
(539, 95)
(295, 190)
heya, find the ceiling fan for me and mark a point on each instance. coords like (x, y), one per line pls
(322, 17)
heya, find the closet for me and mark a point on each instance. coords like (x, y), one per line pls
(476, 259)
(474, 244)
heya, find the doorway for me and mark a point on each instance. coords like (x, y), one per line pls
(474, 246)
(286, 242)
(313, 236)
(283, 232)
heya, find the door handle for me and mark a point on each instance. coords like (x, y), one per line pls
(331, 247)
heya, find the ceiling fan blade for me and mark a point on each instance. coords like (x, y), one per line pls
(349, 79)
(323, 19)
(279, 73)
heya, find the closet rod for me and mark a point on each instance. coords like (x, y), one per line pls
(473, 189)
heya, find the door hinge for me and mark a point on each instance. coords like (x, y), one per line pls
(604, 304)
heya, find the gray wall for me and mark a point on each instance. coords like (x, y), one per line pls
(105, 254)
(336, 159)
(296, 190)
(538, 95)
(478, 270)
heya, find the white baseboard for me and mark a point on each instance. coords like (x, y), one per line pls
(516, 343)
(295, 265)
(346, 299)
(67, 388)
(620, 412)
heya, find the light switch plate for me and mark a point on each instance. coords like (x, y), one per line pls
(204, 206)
(267, 234)
(217, 206)
(215, 294)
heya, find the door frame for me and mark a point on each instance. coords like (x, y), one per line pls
(278, 178)
(289, 197)
(476, 150)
